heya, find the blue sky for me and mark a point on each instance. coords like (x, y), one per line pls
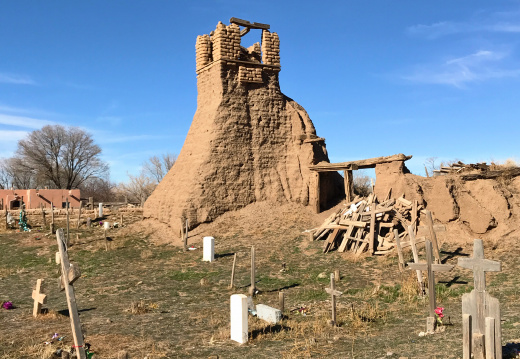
(430, 79)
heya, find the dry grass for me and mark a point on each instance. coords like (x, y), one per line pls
(141, 307)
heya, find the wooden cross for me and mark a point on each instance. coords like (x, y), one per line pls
(66, 270)
(39, 298)
(431, 268)
(333, 294)
(482, 309)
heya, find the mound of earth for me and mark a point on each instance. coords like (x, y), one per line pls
(472, 205)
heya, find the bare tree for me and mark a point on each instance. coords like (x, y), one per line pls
(361, 182)
(137, 189)
(63, 157)
(430, 166)
(15, 174)
(157, 167)
(100, 188)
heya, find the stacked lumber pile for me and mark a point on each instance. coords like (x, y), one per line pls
(367, 225)
(461, 167)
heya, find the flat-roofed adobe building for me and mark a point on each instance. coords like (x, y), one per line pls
(36, 198)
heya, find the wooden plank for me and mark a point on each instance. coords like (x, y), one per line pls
(466, 336)
(251, 25)
(416, 258)
(77, 334)
(361, 164)
(330, 240)
(345, 223)
(317, 197)
(433, 236)
(372, 233)
(350, 230)
(252, 288)
(349, 185)
(79, 214)
(232, 284)
(490, 338)
(399, 250)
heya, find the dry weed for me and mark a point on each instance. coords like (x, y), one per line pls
(146, 253)
(141, 307)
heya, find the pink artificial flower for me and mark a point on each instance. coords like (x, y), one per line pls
(439, 311)
(8, 305)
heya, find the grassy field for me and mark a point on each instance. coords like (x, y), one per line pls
(156, 301)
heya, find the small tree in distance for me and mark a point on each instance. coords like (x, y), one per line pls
(139, 188)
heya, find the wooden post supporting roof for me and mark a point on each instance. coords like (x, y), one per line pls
(347, 167)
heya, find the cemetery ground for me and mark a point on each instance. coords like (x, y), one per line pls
(154, 300)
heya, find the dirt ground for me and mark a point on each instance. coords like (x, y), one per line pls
(148, 297)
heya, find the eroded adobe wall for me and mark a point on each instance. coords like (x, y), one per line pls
(480, 206)
(248, 142)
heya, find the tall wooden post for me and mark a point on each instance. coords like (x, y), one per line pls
(91, 203)
(281, 301)
(79, 214)
(232, 284)
(68, 224)
(252, 289)
(77, 334)
(52, 218)
(349, 185)
(317, 196)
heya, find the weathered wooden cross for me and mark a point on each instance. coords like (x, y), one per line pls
(430, 268)
(39, 298)
(69, 274)
(333, 294)
(482, 332)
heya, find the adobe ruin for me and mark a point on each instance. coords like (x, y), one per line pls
(248, 142)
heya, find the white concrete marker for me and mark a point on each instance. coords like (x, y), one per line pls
(239, 330)
(106, 225)
(100, 210)
(209, 249)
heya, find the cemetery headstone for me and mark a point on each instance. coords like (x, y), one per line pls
(239, 328)
(333, 294)
(100, 211)
(39, 298)
(431, 268)
(482, 331)
(209, 249)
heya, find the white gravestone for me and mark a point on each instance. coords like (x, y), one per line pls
(209, 249)
(239, 329)
(106, 225)
(100, 210)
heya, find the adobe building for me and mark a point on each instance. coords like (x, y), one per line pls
(37, 198)
(248, 142)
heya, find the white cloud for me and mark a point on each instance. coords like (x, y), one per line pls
(12, 136)
(476, 67)
(16, 79)
(25, 122)
(498, 22)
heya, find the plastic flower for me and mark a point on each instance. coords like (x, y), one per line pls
(438, 312)
(7, 305)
